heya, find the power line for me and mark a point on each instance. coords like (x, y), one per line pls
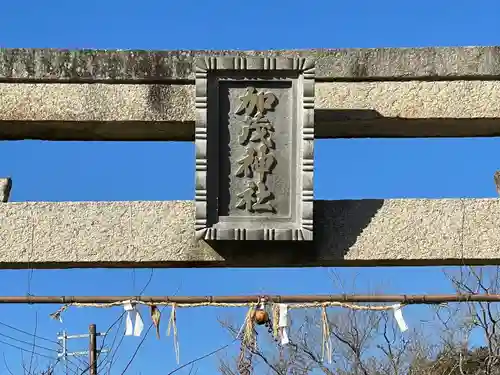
(103, 341)
(51, 368)
(26, 350)
(112, 349)
(139, 345)
(64, 354)
(203, 357)
(148, 282)
(115, 350)
(38, 337)
(64, 349)
(28, 343)
(34, 341)
(147, 332)
(28, 333)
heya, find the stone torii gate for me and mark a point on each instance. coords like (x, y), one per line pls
(254, 116)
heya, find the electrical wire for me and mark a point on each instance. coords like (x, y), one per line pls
(34, 341)
(148, 282)
(147, 332)
(52, 368)
(38, 337)
(28, 343)
(80, 360)
(26, 350)
(115, 351)
(140, 344)
(113, 359)
(37, 346)
(203, 357)
(29, 333)
(104, 340)
(112, 349)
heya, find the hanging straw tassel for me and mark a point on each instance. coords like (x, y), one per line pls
(326, 339)
(172, 324)
(276, 319)
(248, 338)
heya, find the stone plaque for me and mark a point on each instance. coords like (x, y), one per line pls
(254, 148)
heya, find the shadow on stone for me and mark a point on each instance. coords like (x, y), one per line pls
(368, 123)
(339, 223)
(325, 116)
(329, 123)
(337, 227)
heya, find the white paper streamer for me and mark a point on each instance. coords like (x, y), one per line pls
(139, 324)
(398, 315)
(132, 315)
(283, 323)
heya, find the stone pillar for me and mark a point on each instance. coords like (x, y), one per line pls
(5, 186)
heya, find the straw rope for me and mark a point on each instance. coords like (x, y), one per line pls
(307, 305)
(247, 333)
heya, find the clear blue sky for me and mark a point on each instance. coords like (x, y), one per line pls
(346, 169)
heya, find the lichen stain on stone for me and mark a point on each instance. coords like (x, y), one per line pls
(160, 67)
(45, 62)
(112, 66)
(183, 67)
(159, 98)
(359, 67)
(63, 66)
(7, 63)
(83, 64)
(28, 63)
(139, 65)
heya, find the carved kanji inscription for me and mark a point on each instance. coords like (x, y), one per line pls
(257, 161)
(254, 148)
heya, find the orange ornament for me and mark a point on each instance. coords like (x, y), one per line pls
(261, 317)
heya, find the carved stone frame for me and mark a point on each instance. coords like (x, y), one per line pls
(303, 71)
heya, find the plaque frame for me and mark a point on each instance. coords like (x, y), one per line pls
(209, 71)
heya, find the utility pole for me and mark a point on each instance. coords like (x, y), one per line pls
(92, 350)
(64, 353)
(63, 337)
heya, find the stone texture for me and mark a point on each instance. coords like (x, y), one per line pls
(96, 102)
(408, 109)
(96, 112)
(161, 234)
(414, 99)
(5, 186)
(166, 112)
(340, 64)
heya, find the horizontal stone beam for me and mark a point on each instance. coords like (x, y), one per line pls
(166, 112)
(50, 65)
(160, 234)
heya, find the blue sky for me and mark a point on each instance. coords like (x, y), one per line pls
(345, 169)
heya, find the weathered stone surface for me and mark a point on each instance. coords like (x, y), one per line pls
(343, 64)
(96, 112)
(166, 112)
(408, 109)
(414, 99)
(145, 234)
(96, 102)
(5, 186)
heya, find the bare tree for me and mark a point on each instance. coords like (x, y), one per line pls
(369, 342)
(362, 342)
